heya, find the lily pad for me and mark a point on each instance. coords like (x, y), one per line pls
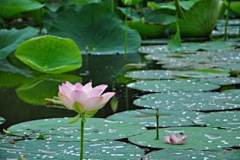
(224, 81)
(89, 30)
(39, 149)
(46, 86)
(200, 101)
(191, 47)
(163, 74)
(150, 74)
(11, 8)
(147, 117)
(170, 154)
(172, 85)
(50, 54)
(234, 67)
(10, 39)
(228, 120)
(58, 129)
(199, 138)
(2, 120)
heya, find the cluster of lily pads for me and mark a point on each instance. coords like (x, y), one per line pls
(179, 86)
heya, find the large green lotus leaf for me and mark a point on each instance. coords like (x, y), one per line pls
(148, 30)
(233, 67)
(235, 6)
(223, 80)
(2, 120)
(228, 120)
(199, 138)
(200, 20)
(50, 54)
(46, 86)
(10, 39)
(10, 8)
(58, 129)
(191, 47)
(163, 74)
(175, 154)
(96, 28)
(203, 101)
(147, 117)
(172, 85)
(39, 149)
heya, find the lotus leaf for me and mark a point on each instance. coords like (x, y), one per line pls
(50, 54)
(87, 29)
(10, 8)
(198, 138)
(58, 129)
(10, 39)
(40, 149)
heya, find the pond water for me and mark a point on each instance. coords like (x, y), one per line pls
(99, 69)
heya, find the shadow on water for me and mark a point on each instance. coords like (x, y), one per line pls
(24, 102)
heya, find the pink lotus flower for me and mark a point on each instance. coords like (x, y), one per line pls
(175, 139)
(88, 99)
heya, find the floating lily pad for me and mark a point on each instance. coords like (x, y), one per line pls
(147, 117)
(50, 54)
(200, 20)
(174, 154)
(199, 138)
(89, 31)
(191, 47)
(2, 120)
(172, 85)
(224, 81)
(228, 120)
(10, 39)
(48, 150)
(11, 8)
(203, 101)
(162, 74)
(150, 74)
(46, 86)
(58, 129)
(235, 67)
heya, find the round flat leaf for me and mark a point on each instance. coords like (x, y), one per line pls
(191, 47)
(174, 154)
(40, 149)
(46, 86)
(10, 39)
(172, 85)
(199, 138)
(58, 129)
(150, 74)
(228, 120)
(162, 74)
(200, 101)
(96, 29)
(224, 81)
(11, 8)
(2, 120)
(147, 117)
(50, 54)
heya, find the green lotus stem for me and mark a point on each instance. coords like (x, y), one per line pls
(82, 135)
(157, 124)
(112, 5)
(180, 13)
(126, 34)
(226, 24)
(131, 13)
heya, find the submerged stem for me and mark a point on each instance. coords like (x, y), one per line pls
(126, 34)
(82, 135)
(157, 124)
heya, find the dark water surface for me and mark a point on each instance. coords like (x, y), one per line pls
(98, 69)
